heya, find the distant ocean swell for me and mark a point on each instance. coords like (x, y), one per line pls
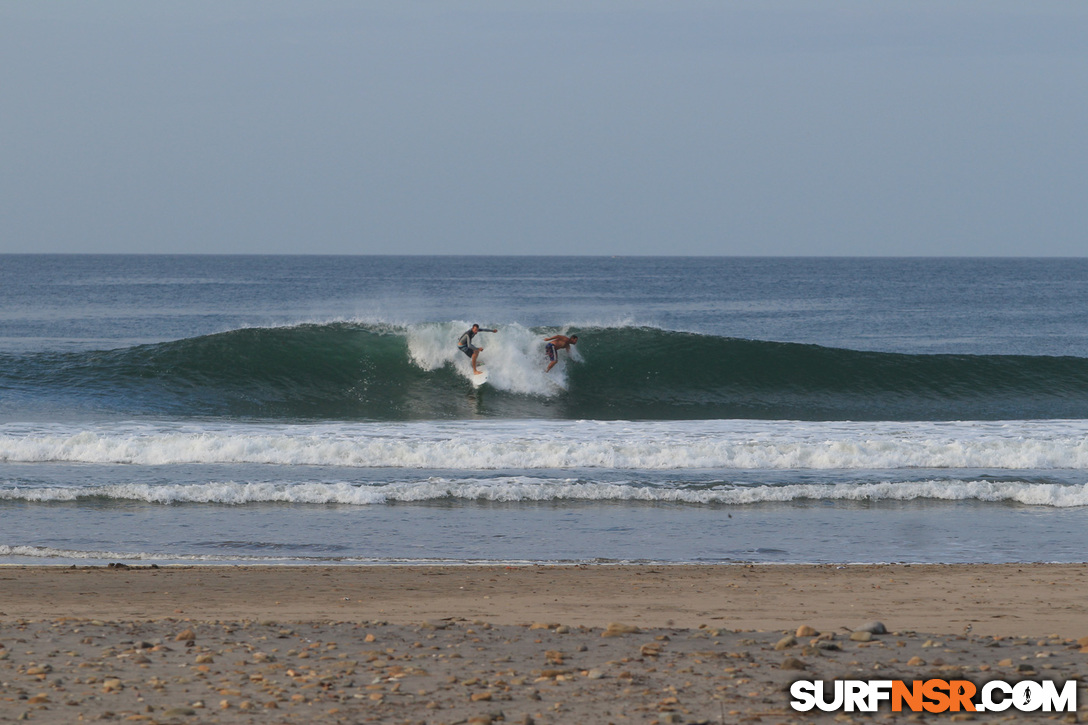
(346, 371)
(525, 489)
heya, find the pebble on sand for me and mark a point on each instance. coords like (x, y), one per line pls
(615, 629)
(186, 635)
(786, 642)
(873, 627)
(792, 663)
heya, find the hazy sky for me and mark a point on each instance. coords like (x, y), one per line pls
(671, 127)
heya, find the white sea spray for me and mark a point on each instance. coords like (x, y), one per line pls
(514, 355)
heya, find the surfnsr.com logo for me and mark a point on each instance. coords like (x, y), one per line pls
(934, 695)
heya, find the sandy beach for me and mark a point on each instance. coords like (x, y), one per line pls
(638, 644)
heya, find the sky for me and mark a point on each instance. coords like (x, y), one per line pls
(777, 127)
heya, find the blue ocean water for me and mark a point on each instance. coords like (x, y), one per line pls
(315, 409)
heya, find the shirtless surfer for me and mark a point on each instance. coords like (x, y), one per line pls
(464, 344)
(555, 344)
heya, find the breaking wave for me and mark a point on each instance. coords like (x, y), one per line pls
(511, 445)
(348, 371)
(526, 489)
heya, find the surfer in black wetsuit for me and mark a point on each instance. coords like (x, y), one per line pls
(555, 344)
(464, 344)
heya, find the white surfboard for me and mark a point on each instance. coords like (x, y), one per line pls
(478, 380)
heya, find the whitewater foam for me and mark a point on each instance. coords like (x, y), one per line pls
(53, 555)
(527, 489)
(487, 445)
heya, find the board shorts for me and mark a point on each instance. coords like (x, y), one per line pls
(469, 350)
(549, 350)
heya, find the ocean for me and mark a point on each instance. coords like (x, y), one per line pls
(316, 410)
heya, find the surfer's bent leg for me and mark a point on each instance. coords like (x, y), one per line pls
(549, 350)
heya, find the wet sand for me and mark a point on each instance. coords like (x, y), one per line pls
(707, 644)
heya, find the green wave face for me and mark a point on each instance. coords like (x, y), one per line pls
(351, 371)
(670, 375)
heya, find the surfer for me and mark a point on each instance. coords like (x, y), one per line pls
(555, 344)
(464, 344)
